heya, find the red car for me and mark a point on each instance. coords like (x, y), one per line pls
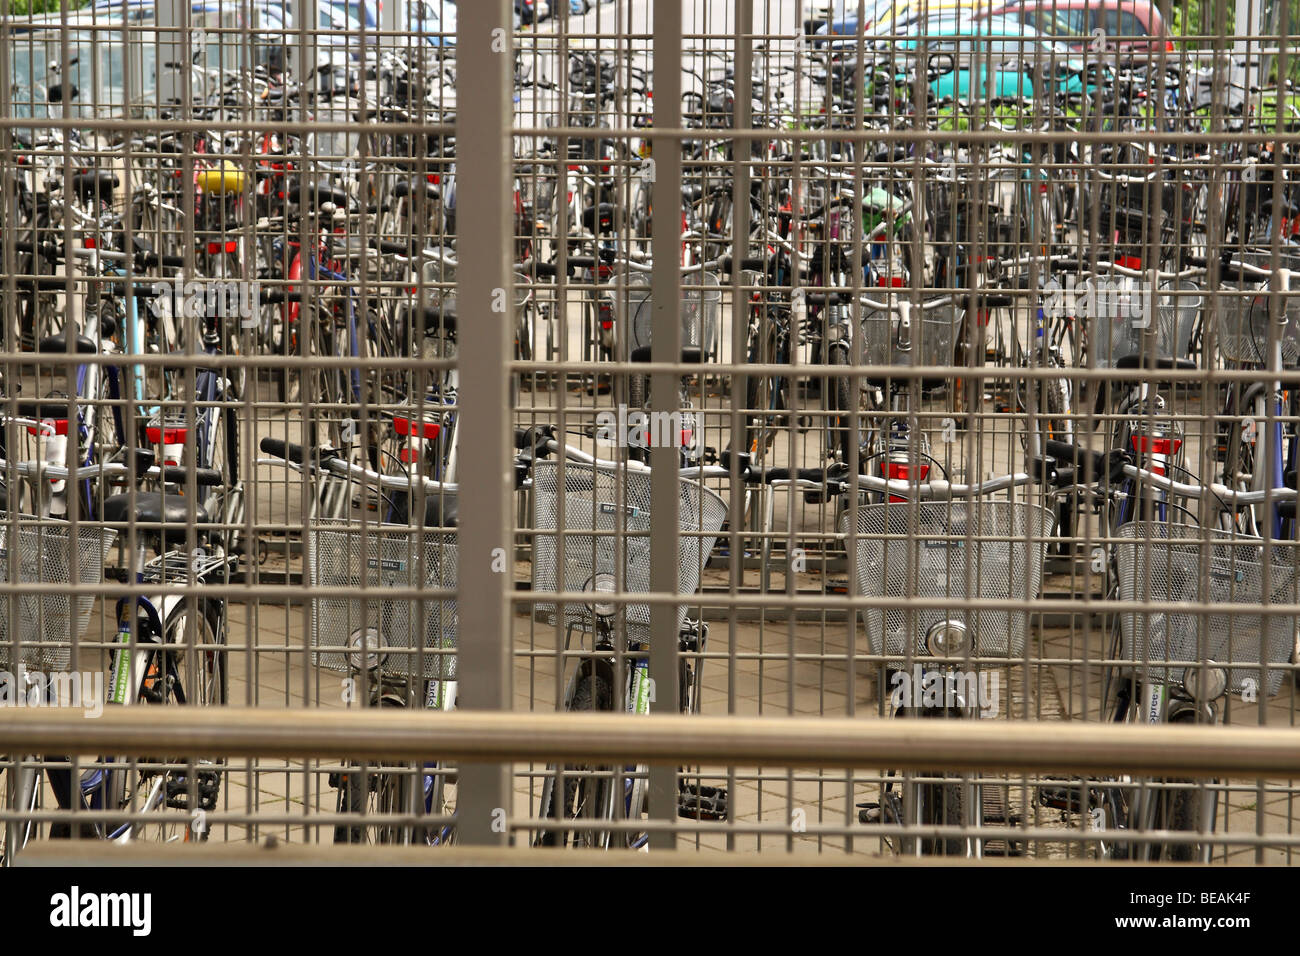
(1135, 27)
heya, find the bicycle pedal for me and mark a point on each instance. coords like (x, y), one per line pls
(870, 813)
(207, 788)
(702, 802)
(890, 811)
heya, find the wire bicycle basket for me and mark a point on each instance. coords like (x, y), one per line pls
(1244, 314)
(893, 338)
(47, 622)
(606, 534)
(1172, 564)
(701, 305)
(401, 637)
(1123, 319)
(953, 550)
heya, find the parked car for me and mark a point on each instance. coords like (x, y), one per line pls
(1134, 28)
(989, 57)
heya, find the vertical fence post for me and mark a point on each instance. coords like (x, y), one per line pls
(666, 337)
(484, 295)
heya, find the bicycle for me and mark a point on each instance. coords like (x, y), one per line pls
(603, 548)
(168, 650)
(1168, 663)
(396, 652)
(921, 542)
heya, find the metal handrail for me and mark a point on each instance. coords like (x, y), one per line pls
(1079, 747)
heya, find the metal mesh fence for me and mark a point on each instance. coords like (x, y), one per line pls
(862, 360)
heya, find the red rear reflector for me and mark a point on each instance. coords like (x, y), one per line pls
(426, 430)
(606, 323)
(890, 282)
(409, 455)
(89, 242)
(214, 248)
(60, 426)
(1169, 46)
(166, 436)
(1156, 446)
(898, 471)
(232, 245)
(1129, 262)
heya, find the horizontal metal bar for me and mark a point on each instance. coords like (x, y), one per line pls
(1072, 746)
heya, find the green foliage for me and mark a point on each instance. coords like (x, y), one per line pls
(23, 8)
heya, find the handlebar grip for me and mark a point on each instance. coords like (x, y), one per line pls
(283, 449)
(392, 248)
(531, 438)
(828, 298)
(539, 268)
(203, 477)
(1079, 457)
(996, 301)
(148, 260)
(747, 264)
(795, 474)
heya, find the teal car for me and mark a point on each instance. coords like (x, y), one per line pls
(993, 57)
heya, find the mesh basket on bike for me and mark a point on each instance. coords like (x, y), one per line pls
(927, 339)
(1124, 319)
(37, 629)
(357, 632)
(1130, 192)
(607, 515)
(940, 549)
(1172, 564)
(1244, 310)
(701, 304)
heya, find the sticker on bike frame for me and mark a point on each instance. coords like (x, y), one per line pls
(631, 511)
(385, 564)
(943, 544)
(121, 670)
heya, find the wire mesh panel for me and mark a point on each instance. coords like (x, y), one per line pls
(977, 310)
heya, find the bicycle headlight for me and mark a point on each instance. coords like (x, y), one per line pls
(1204, 684)
(948, 639)
(365, 649)
(602, 583)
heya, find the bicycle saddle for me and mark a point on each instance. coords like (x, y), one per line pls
(58, 343)
(317, 194)
(96, 184)
(405, 188)
(169, 512)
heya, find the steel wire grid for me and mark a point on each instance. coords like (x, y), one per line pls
(319, 295)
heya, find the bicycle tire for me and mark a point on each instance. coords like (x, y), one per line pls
(584, 795)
